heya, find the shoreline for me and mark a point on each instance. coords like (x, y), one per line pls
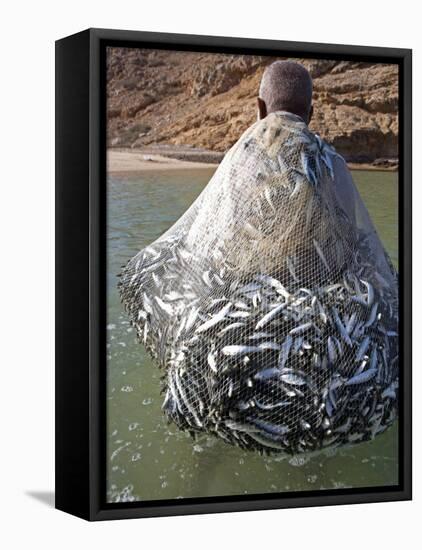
(371, 167)
(155, 158)
(132, 162)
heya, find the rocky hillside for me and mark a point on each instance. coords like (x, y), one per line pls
(207, 100)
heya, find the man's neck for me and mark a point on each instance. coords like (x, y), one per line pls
(289, 113)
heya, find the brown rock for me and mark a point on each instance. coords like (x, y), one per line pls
(208, 100)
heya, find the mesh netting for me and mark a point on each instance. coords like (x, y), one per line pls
(271, 305)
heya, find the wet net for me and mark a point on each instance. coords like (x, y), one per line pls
(271, 305)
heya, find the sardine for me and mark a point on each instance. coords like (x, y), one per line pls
(363, 348)
(270, 406)
(233, 326)
(372, 316)
(361, 378)
(341, 327)
(269, 316)
(332, 353)
(267, 374)
(239, 350)
(293, 379)
(321, 254)
(274, 429)
(269, 345)
(192, 318)
(217, 318)
(275, 284)
(301, 328)
(212, 362)
(284, 353)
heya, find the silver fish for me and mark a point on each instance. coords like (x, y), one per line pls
(292, 269)
(267, 194)
(361, 378)
(372, 315)
(293, 379)
(212, 362)
(363, 348)
(266, 442)
(285, 350)
(217, 318)
(389, 392)
(269, 316)
(332, 353)
(147, 303)
(172, 296)
(239, 350)
(274, 429)
(344, 428)
(321, 254)
(370, 292)
(269, 345)
(165, 307)
(306, 166)
(192, 318)
(270, 406)
(341, 327)
(267, 374)
(240, 314)
(350, 325)
(301, 328)
(207, 278)
(142, 315)
(275, 284)
(184, 397)
(259, 335)
(230, 327)
(240, 427)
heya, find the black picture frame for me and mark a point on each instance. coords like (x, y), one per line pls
(80, 273)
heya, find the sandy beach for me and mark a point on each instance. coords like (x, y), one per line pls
(372, 167)
(130, 161)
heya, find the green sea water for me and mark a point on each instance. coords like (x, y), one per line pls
(148, 459)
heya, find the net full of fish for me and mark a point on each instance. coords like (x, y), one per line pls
(271, 304)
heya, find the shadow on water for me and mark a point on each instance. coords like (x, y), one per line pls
(45, 497)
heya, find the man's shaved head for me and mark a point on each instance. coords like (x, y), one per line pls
(287, 86)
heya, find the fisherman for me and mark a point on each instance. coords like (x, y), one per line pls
(286, 86)
(271, 304)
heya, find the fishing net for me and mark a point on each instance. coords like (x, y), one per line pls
(271, 305)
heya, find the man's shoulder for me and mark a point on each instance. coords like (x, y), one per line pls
(327, 148)
(282, 135)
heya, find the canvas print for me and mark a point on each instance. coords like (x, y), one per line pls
(252, 275)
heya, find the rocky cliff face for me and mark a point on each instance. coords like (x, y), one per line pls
(207, 100)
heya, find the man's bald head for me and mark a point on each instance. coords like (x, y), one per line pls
(286, 86)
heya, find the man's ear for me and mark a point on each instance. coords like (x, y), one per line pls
(262, 108)
(311, 112)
